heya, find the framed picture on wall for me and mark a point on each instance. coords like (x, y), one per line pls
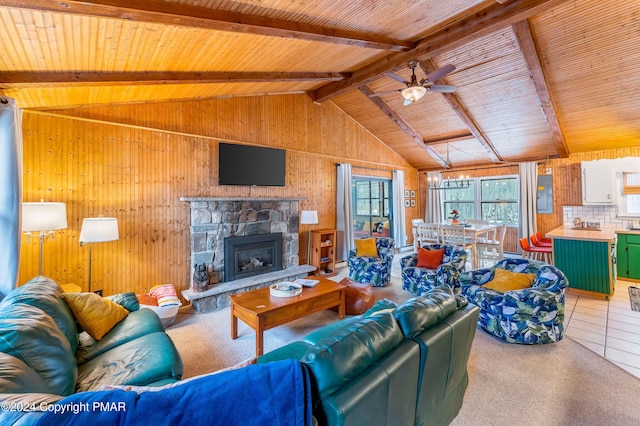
(413, 194)
(407, 203)
(413, 203)
(406, 193)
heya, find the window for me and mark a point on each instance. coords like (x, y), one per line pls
(629, 194)
(499, 200)
(493, 199)
(371, 204)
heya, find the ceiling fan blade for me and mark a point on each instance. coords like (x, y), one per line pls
(396, 77)
(441, 88)
(385, 93)
(440, 72)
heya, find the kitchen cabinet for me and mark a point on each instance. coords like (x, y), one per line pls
(586, 259)
(628, 256)
(598, 182)
(323, 251)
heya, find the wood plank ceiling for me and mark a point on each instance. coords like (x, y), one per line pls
(535, 78)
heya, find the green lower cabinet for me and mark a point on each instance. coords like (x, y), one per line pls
(628, 256)
(586, 264)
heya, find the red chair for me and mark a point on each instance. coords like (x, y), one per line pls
(543, 239)
(535, 253)
(536, 241)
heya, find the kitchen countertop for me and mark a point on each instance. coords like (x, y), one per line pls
(605, 234)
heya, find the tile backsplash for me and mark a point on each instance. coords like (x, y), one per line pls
(606, 215)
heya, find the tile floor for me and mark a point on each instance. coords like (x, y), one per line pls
(609, 328)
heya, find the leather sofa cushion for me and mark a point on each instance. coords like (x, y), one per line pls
(44, 293)
(145, 360)
(419, 313)
(136, 324)
(294, 350)
(32, 336)
(18, 377)
(349, 350)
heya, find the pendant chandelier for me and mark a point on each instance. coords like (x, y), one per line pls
(448, 183)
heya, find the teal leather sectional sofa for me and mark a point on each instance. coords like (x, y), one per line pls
(44, 357)
(393, 365)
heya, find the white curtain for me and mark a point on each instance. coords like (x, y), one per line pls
(399, 228)
(434, 200)
(344, 212)
(528, 198)
(10, 193)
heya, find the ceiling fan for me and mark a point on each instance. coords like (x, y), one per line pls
(416, 90)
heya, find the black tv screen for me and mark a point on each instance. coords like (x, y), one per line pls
(251, 165)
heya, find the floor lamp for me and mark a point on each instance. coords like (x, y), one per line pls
(97, 230)
(309, 217)
(45, 219)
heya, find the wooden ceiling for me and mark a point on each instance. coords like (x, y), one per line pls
(536, 79)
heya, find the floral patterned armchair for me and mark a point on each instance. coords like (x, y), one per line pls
(419, 280)
(528, 316)
(373, 270)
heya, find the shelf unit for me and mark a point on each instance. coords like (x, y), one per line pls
(323, 251)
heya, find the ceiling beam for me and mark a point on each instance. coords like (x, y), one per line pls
(524, 35)
(463, 113)
(451, 137)
(494, 17)
(173, 13)
(16, 80)
(402, 123)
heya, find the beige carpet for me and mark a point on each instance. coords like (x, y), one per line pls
(559, 384)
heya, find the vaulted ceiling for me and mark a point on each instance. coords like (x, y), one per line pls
(535, 79)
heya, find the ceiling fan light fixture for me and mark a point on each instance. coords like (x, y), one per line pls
(413, 93)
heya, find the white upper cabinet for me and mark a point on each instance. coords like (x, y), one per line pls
(599, 179)
(598, 182)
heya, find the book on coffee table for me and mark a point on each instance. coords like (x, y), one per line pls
(307, 282)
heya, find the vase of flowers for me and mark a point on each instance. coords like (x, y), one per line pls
(454, 216)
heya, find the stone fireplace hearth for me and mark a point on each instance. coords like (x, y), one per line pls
(215, 219)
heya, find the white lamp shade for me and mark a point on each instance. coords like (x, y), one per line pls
(309, 217)
(43, 216)
(99, 229)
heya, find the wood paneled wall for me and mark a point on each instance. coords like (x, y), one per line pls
(134, 162)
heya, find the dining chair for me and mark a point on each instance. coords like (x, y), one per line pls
(454, 235)
(492, 247)
(426, 233)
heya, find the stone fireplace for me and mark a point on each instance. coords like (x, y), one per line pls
(214, 220)
(252, 255)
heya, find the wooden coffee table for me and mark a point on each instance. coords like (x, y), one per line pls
(261, 311)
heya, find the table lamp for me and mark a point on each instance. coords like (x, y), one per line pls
(43, 218)
(97, 230)
(308, 217)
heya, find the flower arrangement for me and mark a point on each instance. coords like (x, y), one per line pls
(455, 214)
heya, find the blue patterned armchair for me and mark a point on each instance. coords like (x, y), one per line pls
(419, 280)
(529, 316)
(373, 270)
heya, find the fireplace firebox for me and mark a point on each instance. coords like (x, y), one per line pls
(252, 255)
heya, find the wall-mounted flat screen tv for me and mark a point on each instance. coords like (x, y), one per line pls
(251, 165)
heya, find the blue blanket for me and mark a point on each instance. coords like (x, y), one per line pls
(276, 393)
